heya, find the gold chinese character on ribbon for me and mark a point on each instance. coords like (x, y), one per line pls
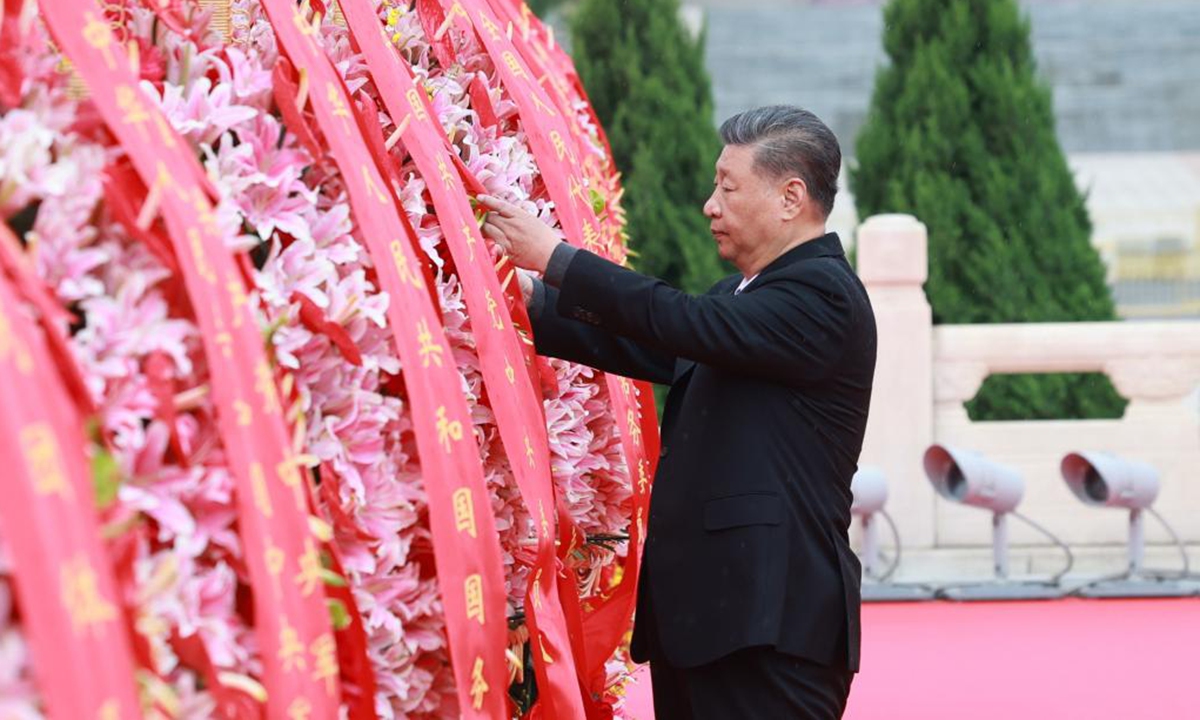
(591, 237)
(299, 709)
(470, 236)
(275, 559)
(258, 486)
(417, 105)
(81, 596)
(244, 413)
(541, 105)
(643, 476)
(325, 661)
(264, 385)
(535, 589)
(545, 522)
(239, 299)
(473, 592)
(134, 109)
(338, 103)
(223, 339)
(488, 26)
(560, 145)
(309, 576)
(99, 35)
(635, 428)
(513, 65)
(429, 350)
(372, 187)
(291, 473)
(479, 686)
(492, 306)
(306, 27)
(291, 650)
(464, 511)
(444, 173)
(403, 267)
(576, 189)
(193, 196)
(43, 461)
(11, 346)
(529, 451)
(447, 430)
(199, 258)
(509, 372)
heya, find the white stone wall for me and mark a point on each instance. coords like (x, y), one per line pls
(926, 373)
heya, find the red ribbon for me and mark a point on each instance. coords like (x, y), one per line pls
(554, 134)
(466, 546)
(514, 395)
(72, 616)
(298, 651)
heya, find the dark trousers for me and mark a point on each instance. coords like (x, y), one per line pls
(757, 682)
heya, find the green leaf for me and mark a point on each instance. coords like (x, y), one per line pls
(332, 579)
(598, 203)
(338, 614)
(106, 478)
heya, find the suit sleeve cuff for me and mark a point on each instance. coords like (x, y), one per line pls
(537, 299)
(556, 268)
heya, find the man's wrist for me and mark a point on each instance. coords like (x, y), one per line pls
(537, 299)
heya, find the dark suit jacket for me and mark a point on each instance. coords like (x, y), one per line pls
(747, 540)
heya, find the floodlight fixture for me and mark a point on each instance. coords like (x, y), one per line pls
(968, 477)
(1102, 479)
(870, 490)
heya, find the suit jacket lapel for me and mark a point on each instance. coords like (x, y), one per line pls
(682, 368)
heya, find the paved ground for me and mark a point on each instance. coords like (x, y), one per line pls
(1060, 660)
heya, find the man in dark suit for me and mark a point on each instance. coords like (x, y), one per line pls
(748, 605)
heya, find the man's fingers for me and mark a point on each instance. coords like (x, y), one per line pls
(497, 235)
(498, 206)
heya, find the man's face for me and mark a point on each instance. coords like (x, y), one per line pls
(744, 208)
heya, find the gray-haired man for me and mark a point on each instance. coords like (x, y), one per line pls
(748, 605)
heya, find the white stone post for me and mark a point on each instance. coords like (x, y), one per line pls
(892, 262)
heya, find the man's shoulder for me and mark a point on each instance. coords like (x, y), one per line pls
(820, 272)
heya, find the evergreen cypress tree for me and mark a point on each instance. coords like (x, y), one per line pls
(543, 7)
(961, 134)
(646, 78)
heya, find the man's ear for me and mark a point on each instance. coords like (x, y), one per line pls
(795, 198)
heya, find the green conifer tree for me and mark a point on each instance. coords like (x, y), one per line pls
(961, 134)
(646, 78)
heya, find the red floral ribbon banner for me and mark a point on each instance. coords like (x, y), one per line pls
(466, 546)
(557, 154)
(607, 622)
(70, 610)
(298, 650)
(514, 397)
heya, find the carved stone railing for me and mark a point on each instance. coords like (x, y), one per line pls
(925, 375)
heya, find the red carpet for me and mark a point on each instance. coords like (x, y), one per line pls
(1056, 660)
(1060, 660)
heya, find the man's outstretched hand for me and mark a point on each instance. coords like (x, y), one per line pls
(528, 241)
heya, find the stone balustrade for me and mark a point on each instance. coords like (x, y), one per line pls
(925, 373)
